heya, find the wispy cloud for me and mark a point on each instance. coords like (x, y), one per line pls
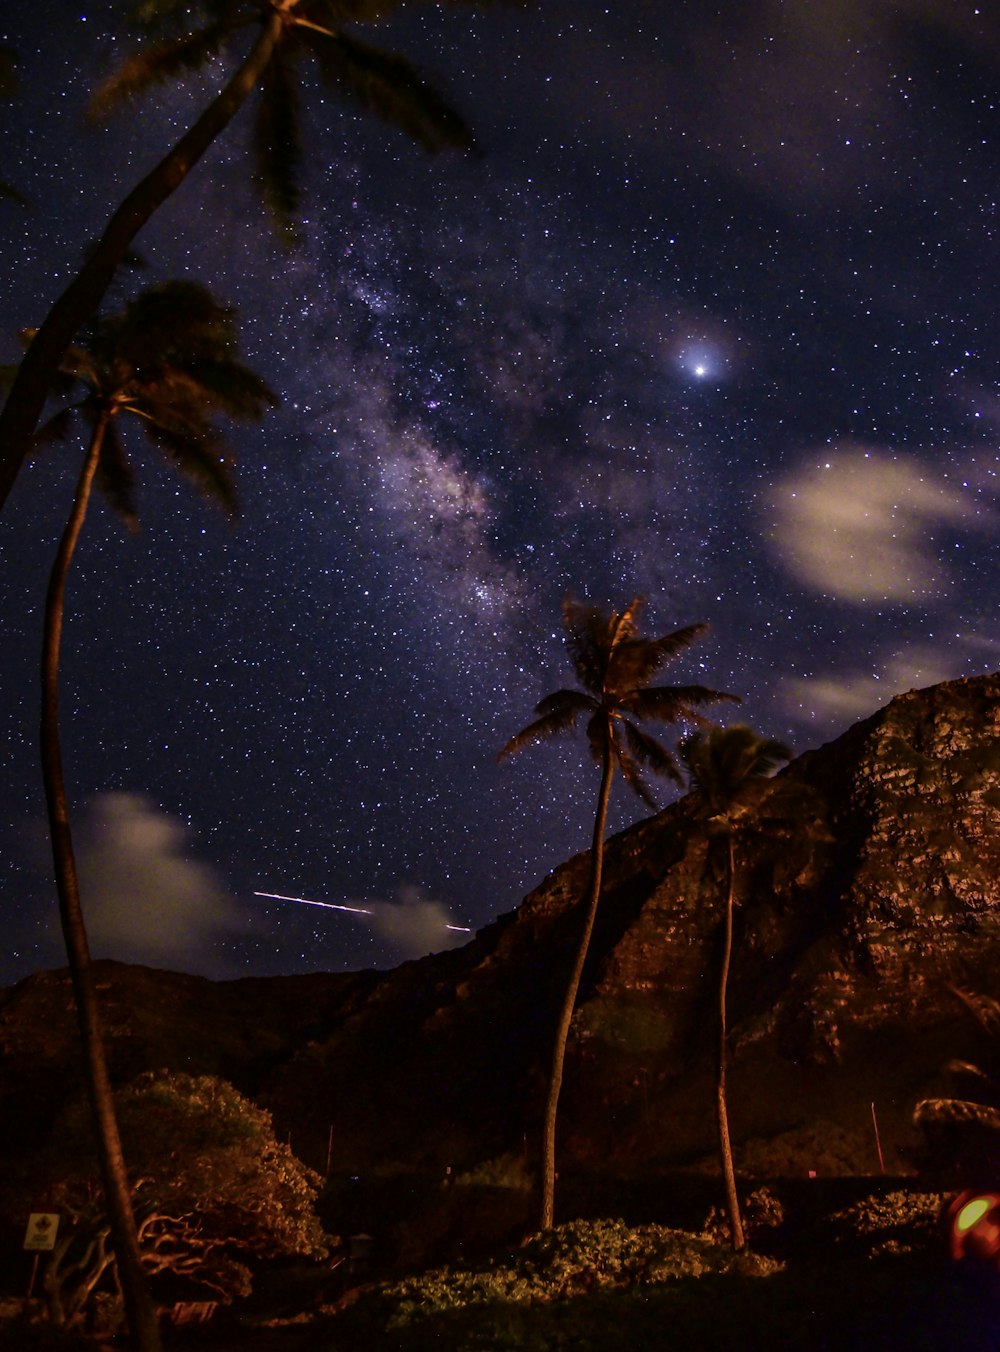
(414, 924)
(146, 900)
(838, 700)
(859, 525)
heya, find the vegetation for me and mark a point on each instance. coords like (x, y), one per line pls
(613, 665)
(721, 763)
(565, 1261)
(286, 32)
(870, 1276)
(214, 1194)
(962, 1131)
(168, 361)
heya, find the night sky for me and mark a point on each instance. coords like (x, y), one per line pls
(714, 318)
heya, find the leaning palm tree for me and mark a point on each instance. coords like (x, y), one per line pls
(8, 87)
(721, 764)
(167, 362)
(285, 33)
(613, 665)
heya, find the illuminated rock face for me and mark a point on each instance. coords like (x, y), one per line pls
(867, 886)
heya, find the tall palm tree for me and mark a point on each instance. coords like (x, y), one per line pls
(721, 764)
(8, 88)
(168, 362)
(286, 31)
(613, 666)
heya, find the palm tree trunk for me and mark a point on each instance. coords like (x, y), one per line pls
(82, 297)
(569, 999)
(135, 1289)
(725, 1145)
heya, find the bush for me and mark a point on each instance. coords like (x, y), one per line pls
(573, 1259)
(896, 1223)
(213, 1192)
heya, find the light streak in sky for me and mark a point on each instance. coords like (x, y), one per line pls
(354, 910)
(327, 905)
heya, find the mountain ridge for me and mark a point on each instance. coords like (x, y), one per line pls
(867, 893)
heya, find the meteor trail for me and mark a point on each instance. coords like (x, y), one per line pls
(327, 905)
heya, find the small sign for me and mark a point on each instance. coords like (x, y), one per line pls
(41, 1231)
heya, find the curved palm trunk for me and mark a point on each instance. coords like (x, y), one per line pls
(725, 1146)
(138, 1301)
(84, 294)
(569, 999)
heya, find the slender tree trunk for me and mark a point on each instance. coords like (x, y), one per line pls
(569, 999)
(725, 1145)
(84, 294)
(135, 1289)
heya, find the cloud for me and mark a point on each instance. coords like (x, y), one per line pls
(414, 925)
(144, 899)
(858, 525)
(841, 700)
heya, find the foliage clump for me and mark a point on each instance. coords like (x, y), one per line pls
(762, 1212)
(214, 1193)
(570, 1260)
(503, 1171)
(899, 1222)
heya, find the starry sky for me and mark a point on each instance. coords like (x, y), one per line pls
(713, 318)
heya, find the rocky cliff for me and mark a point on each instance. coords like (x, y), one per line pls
(866, 879)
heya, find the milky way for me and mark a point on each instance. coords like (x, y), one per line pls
(713, 318)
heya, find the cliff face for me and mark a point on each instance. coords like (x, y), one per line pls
(867, 888)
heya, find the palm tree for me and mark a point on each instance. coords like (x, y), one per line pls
(613, 665)
(721, 763)
(286, 31)
(8, 88)
(167, 361)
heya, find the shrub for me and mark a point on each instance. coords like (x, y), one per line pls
(574, 1259)
(897, 1223)
(213, 1192)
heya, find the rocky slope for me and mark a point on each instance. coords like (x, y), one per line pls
(868, 889)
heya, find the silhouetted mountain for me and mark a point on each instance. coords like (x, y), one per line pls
(867, 884)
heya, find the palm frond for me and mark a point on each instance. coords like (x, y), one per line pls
(588, 641)
(550, 725)
(379, 11)
(115, 478)
(598, 734)
(648, 751)
(672, 703)
(230, 386)
(9, 193)
(633, 776)
(611, 662)
(390, 86)
(277, 142)
(167, 318)
(157, 64)
(200, 459)
(564, 700)
(8, 80)
(55, 429)
(637, 659)
(7, 373)
(171, 14)
(77, 365)
(721, 762)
